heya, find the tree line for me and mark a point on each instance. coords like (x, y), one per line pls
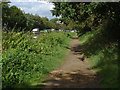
(14, 18)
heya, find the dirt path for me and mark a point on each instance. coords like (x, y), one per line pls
(74, 72)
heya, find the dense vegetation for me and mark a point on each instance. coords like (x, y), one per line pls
(27, 60)
(89, 16)
(97, 26)
(15, 18)
(103, 57)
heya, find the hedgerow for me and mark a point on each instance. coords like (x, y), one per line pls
(26, 59)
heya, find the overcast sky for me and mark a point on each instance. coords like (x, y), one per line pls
(40, 8)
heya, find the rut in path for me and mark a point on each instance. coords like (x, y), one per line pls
(74, 72)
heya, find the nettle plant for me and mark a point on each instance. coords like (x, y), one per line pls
(25, 57)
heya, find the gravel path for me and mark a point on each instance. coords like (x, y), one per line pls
(74, 72)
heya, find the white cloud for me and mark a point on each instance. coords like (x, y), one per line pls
(41, 8)
(43, 1)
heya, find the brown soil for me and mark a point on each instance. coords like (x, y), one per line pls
(74, 72)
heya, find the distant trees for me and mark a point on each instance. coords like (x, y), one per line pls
(56, 25)
(17, 18)
(13, 17)
(5, 12)
(34, 21)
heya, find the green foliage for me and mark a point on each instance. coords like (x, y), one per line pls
(103, 57)
(34, 21)
(97, 25)
(13, 17)
(90, 15)
(26, 59)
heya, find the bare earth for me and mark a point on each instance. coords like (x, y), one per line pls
(74, 72)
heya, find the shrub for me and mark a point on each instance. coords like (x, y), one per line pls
(103, 57)
(26, 59)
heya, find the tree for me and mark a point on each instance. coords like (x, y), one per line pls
(5, 12)
(17, 18)
(89, 15)
(13, 17)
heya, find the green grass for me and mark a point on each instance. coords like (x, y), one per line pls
(53, 63)
(0, 43)
(102, 56)
(27, 61)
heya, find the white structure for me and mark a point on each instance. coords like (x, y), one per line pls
(34, 36)
(59, 22)
(36, 31)
(52, 30)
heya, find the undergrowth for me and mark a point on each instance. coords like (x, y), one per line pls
(27, 61)
(103, 57)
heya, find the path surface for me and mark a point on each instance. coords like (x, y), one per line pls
(74, 72)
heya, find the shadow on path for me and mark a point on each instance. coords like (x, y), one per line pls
(75, 79)
(74, 72)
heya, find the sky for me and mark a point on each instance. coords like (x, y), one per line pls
(40, 8)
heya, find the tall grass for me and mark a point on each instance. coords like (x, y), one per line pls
(27, 60)
(103, 57)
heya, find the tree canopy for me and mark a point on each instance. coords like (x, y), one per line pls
(90, 15)
(15, 18)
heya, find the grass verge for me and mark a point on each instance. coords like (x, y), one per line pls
(102, 56)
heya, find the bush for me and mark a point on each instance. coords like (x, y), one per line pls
(26, 59)
(103, 57)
